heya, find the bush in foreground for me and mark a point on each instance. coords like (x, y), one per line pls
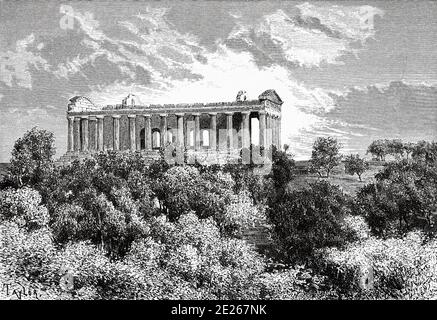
(403, 268)
(23, 206)
(309, 219)
(403, 198)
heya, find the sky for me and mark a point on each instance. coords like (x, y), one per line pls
(354, 70)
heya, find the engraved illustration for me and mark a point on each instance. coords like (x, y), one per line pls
(218, 150)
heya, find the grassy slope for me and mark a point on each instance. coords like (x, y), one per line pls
(349, 184)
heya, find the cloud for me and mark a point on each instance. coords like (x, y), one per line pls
(15, 65)
(144, 54)
(351, 22)
(363, 114)
(384, 87)
(156, 48)
(222, 77)
(319, 34)
(177, 74)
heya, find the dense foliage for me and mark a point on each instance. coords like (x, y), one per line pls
(402, 198)
(32, 158)
(124, 228)
(398, 149)
(308, 219)
(402, 268)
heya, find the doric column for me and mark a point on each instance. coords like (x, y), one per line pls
(213, 132)
(278, 143)
(262, 128)
(138, 128)
(70, 133)
(85, 133)
(245, 129)
(132, 132)
(99, 132)
(276, 132)
(279, 132)
(77, 138)
(148, 131)
(269, 130)
(180, 141)
(116, 132)
(273, 130)
(187, 133)
(196, 131)
(229, 128)
(163, 130)
(92, 124)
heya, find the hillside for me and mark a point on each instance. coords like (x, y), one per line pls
(349, 184)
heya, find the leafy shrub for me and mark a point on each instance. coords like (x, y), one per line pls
(241, 213)
(403, 198)
(25, 253)
(142, 193)
(31, 160)
(121, 164)
(425, 151)
(420, 151)
(185, 189)
(23, 206)
(402, 268)
(98, 220)
(282, 170)
(358, 225)
(193, 250)
(395, 147)
(291, 284)
(246, 179)
(69, 183)
(308, 219)
(68, 223)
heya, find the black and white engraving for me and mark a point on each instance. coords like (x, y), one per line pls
(218, 150)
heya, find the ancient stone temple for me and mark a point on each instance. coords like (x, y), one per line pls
(213, 128)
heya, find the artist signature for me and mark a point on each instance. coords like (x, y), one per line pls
(16, 290)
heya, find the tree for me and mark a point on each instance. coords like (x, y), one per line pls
(309, 219)
(403, 198)
(425, 151)
(184, 189)
(112, 226)
(353, 164)
(378, 149)
(32, 158)
(395, 147)
(107, 201)
(282, 168)
(22, 206)
(325, 155)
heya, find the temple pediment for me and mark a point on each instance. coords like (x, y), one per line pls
(271, 96)
(80, 103)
